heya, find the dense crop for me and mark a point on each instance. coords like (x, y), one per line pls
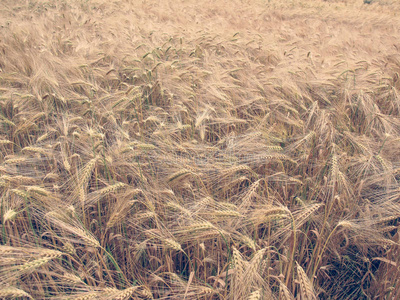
(199, 149)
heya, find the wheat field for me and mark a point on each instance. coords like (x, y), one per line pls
(199, 149)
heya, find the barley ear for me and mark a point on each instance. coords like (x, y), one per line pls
(13, 293)
(306, 288)
(238, 262)
(256, 295)
(284, 293)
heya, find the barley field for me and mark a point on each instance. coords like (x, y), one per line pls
(199, 149)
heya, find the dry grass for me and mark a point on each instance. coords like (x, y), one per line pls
(199, 150)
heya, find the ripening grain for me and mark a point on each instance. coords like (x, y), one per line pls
(199, 149)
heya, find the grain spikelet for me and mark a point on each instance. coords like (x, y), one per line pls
(249, 242)
(88, 238)
(111, 188)
(34, 264)
(227, 214)
(306, 288)
(86, 296)
(172, 244)
(69, 248)
(232, 183)
(256, 295)
(275, 156)
(81, 195)
(145, 147)
(178, 176)
(382, 161)
(58, 216)
(334, 167)
(66, 164)
(12, 293)
(228, 206)
(201, 226)
(19, 179)
(119, 211)
(17, 261)
(87, 171)
(64, 222)
(269, 213)
(249, 194)
(38, 190)
(206, 291)
(238, 262)
(116, 294)
(146, 292)
(388, 219)
(9, 215)
(274, 148)
(6, 250)
(146, 215)
(35, 150)
(20, 193)
(16, 160)
(236, 169)
(284, 292)
(303, 215)
(43, 137)
(71, 278)
(345, 224)
(303, 141)
(7, 121)
(176, 206)
(255, 263)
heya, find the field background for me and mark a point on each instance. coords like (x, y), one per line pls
(199, 149)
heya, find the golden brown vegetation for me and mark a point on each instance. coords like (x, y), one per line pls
(199, 149)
